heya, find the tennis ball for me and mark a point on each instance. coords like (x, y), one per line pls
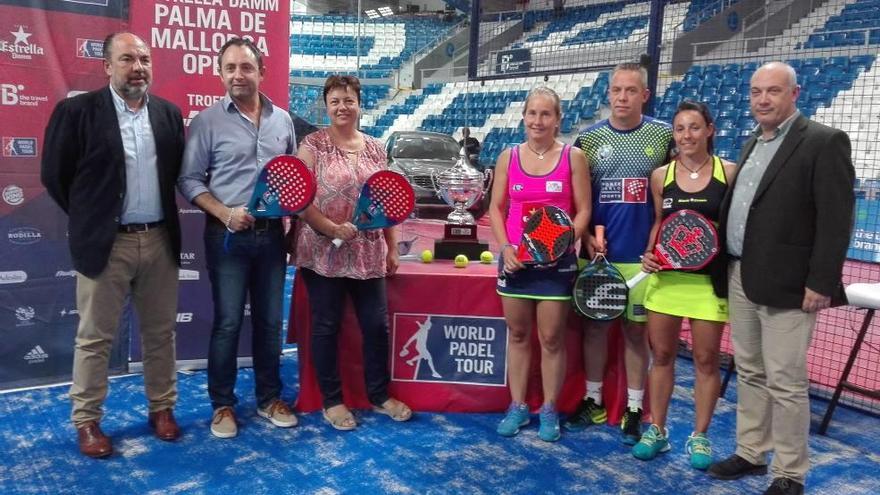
(461, 261)
(427, 256)
(486, 257)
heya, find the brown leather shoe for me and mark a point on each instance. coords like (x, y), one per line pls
(164, 425)
(92, 441)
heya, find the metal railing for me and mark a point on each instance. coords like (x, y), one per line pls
(741, 46)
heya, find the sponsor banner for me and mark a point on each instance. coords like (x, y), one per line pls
(624, 190)
(865, 242)
(449, 349)
(102, 8)
(8, 277)
(516, 61)
(185, 38)
(92, 49)
(24, 236)
(19, 147)
(18, 45)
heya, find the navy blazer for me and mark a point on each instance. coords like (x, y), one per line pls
(799, 224)
(83, 170)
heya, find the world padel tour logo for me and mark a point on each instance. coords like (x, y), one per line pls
(19, 147)
(19, 46)
(93, 49)
(624, 190)
(449, 349)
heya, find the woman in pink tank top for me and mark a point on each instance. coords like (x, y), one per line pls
(542, 171)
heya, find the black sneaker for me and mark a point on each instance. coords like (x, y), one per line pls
(631, 426)
(588, 413)
(784, 486)
(734, 468)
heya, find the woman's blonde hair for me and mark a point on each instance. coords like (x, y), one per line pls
(549, 93)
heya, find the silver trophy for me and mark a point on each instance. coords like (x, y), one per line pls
(460, 186)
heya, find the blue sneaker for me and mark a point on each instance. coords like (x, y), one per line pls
(631, 426)
(653, 442)
(700, 449)
(517, 417)
(549, 430)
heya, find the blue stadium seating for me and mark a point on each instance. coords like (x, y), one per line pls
(331, 52)
(617, 29)
(572, 16)
(849, 28)
(700, 11)
(821, 80)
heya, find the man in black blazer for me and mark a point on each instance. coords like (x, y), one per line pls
(111, 160)
(786, 221)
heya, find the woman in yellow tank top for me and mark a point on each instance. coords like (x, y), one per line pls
(695, 180)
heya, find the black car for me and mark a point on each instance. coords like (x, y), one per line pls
(422, 155)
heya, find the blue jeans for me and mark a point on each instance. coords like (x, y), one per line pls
(327, 298)
(251, 262)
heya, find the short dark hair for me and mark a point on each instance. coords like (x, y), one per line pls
(342, 82)
(108, 42)
(240, 42)
(702, 109)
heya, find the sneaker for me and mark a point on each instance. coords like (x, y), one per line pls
(784, 486)
(700, 449)
(631, 426)
(734, 468)
(588, 413)
(653, 442)
(279, 414)
(549, 430)
(223, 423)
(517, 417)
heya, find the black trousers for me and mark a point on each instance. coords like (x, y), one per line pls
(327, 300)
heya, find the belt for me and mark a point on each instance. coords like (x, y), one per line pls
(260, 224)
(137, 228)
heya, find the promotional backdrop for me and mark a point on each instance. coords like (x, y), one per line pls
(50, 50)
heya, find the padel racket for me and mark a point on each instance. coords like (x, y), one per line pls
(547, 235)
(386, 200)
(284, 187)
(600, 291)
(686, 241)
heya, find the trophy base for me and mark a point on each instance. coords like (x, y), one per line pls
(446, 249)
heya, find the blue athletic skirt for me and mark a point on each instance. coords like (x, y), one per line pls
(552, 282)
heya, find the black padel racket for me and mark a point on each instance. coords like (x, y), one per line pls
(547, 235)
(686, 241)
(284, 187)
(600, 291)
(386, 200)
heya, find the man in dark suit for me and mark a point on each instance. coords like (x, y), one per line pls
(472, 147)
(110, 160)
(787, 221)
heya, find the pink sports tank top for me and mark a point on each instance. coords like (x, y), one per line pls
(528, 192)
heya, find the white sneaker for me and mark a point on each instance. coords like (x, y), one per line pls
(223, 423)
(279, 414)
